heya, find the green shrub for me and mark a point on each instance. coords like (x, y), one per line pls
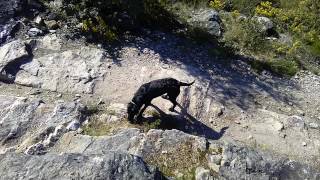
(151, 125)
(280, 67)
(244, 35)
(298, 18)
(246, 7)
(217, 4)
(99, 127)
(286, 67)
(96, 128)
(98, 26)
(315, 47)
(265, 9)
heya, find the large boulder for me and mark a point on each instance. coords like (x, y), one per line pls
(12, 55)
(206, 19)
(8, 30)
(52, 24)
(265, 23)
(33, 32)
(74, 70)
(203, 174)
(11, 52)
(124, 141)
(110, 166)
(32, 126)
(50, 42)
(246, 163)
(130, 140)
(156, 147)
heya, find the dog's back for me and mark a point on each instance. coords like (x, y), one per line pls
(157, 87)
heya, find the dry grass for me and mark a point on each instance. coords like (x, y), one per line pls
(181, 162)
(97, 127)
(100, 128)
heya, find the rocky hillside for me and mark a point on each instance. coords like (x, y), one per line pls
(63, 105)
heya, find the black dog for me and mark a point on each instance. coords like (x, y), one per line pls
(153, 89)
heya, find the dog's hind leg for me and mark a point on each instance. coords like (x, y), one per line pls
(173, 99)
(174, 104)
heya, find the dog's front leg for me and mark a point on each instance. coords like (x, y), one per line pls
(142, 110)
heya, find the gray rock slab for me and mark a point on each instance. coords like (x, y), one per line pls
(110, 166)
(24, 122)
(11, 52)
(72, 71)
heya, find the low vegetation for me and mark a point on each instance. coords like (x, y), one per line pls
(98, 127)
(99, 27)
(296, 20)
(279, 67)
(291, 45)
(98, 124)
(180, 163)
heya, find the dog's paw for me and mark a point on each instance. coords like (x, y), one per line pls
(132, 121)
(165, 96)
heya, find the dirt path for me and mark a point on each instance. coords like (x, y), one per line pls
(262, 111)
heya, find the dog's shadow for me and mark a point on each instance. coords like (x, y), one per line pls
(185, 122)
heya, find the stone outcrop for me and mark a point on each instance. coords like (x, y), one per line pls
(70, 71)
(74, 70)
(33, 126)
(7, 30)
(11, 56)
(230, 161)
(109, 166)
(265, 23)
(207, 20)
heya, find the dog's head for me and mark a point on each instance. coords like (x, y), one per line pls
(132, 110)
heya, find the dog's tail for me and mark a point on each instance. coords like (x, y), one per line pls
(186, 84)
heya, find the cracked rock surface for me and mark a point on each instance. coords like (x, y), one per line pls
(65, 108)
